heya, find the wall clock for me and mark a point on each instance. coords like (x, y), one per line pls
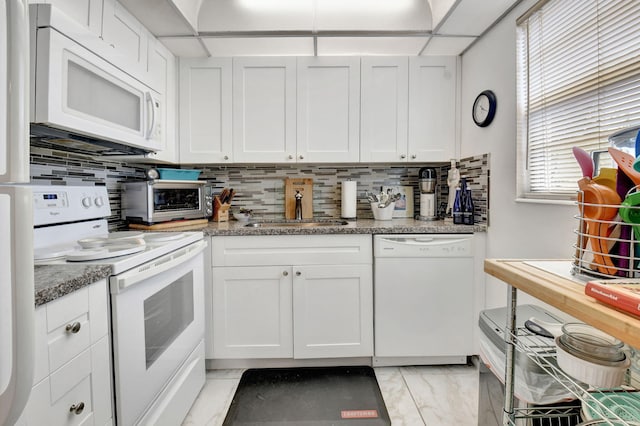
(484, 108)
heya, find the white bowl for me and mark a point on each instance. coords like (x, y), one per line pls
(242, 217)
(592, 373)
(385, 213)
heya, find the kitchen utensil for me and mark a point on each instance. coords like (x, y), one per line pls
(600, 204)
(584, 160)
(623, 186)
(625, 163)
(607, 177)
(543, 328)
(591, 371)
(625, 405)
(630, 212)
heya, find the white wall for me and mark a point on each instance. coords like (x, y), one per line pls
(516, 229)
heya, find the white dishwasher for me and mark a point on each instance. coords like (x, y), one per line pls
(424, 298)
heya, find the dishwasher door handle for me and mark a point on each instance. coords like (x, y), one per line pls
(424, 241)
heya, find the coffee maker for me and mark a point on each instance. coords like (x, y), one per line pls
(427, 180)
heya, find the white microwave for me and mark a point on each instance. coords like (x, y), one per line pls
(76, 91)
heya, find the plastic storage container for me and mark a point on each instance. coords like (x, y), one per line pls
(178, 174)
(625, 140)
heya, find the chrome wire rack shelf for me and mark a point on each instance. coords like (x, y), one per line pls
(538, 350)
(606, 248)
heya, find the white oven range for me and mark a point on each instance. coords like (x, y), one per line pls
(156, 293)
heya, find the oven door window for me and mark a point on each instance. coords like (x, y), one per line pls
(170, 199)
(166, 314)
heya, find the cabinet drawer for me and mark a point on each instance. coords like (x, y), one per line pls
(61, 413)
(41, 410)
(62, 311)
(65, 344)
(69, 375)
(291, 250)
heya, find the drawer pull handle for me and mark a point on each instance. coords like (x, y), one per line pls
(298, 273)
(73, 328)
(77, 408)
(285, 273)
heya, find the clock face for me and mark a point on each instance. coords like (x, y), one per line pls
(484, 108)
(481, 108)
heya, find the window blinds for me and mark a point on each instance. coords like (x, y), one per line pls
(579, 81)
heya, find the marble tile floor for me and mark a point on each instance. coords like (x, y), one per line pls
(414, 396)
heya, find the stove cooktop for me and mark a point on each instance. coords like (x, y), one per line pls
(121, 252)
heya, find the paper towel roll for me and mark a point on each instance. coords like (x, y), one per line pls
(349, 199)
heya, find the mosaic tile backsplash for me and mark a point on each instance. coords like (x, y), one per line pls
(261, 187)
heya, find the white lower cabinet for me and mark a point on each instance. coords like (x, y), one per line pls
(72, 373)
(252, 315)
(304, 308)
(332, 311)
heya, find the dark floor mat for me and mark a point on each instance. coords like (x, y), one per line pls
(308, 397)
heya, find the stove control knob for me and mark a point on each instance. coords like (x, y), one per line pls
(86, 202)
(99, 201)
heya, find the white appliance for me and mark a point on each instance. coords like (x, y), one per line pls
(157, 293)
(427, 194)
(16, 226)
(424, 298)
(75, 92)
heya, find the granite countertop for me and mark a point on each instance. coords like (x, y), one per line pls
(54, 281)
(360, 226)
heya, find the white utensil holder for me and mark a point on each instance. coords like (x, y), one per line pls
(383, 213)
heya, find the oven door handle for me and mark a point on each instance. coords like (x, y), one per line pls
(122, 281)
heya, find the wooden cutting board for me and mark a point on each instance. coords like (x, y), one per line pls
(195, 223)
(305, 186)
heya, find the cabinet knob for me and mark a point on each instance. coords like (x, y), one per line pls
(77, 408)
(413, 156)
(290, 157)
(226, 157)
(73, 328)
(298, 273)
(301, 157)
(285, 273)
(403, 156)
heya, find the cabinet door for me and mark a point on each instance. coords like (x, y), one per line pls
(158, 58)
(128, 38)
(383, 121)
(333, 311)
(328, 109)
(432, 108)
(163, 56)
(252, 312)
(87, 13)
(205, 110)
(264, 110)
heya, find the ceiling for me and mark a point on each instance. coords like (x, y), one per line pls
(201, 28)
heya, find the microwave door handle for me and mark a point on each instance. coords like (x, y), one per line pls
(152, 103)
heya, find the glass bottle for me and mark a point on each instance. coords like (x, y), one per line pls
(467, 208)
(457, 208)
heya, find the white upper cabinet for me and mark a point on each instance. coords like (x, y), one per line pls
(384, 106)
(264, 110)
(158, 59)
(205, 110)
(87, 13)
(128, 38)
(328, 109)
(432, 108)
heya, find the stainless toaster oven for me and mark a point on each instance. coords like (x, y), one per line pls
(157, 201)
